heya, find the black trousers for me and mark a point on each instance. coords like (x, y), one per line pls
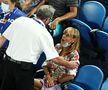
(2, 52)
(1, 70)
(18, 76)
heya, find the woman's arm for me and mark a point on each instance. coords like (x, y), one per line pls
(49, 81)
(68, 64)
(65, 78)
(68, 15)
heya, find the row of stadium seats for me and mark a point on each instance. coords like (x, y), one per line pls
(89, 77)
(92, 24)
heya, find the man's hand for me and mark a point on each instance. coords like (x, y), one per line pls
(54, 23)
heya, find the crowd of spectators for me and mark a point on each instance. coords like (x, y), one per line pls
(47, 14)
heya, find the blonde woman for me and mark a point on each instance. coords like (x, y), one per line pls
(55, 74)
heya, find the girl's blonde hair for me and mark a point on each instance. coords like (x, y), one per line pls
(74, 33)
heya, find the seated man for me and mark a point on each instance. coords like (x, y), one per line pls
(65, 9)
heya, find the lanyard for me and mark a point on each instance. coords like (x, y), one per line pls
(38, 21)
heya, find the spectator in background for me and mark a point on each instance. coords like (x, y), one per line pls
(28, 38)
(9, 12)
(31, 6)
(56, 74)
(65, 9)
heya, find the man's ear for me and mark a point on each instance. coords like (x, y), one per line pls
(46, 21)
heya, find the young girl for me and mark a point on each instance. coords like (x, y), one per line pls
(57, 74)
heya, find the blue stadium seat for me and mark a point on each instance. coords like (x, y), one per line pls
(41, 59)
(87, 53)
(105, 85)
(89, 77)
(105, 25)
(38, 67)
(92, 13)
(71, 86)
(102, 43)
(84, 30)
(100, 39)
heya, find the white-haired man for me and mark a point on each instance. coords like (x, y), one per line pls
(28, 38)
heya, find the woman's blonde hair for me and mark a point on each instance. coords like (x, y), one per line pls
(74, 33)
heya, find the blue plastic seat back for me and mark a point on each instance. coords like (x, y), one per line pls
(71, 86)
(38, 67)
(89, 77)
(105, 85)
(105, 25)
(92, 13)
(102, 42)
(84, 30)
(41, 59)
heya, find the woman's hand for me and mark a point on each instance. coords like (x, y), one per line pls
(49, 81)
(72, 64)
